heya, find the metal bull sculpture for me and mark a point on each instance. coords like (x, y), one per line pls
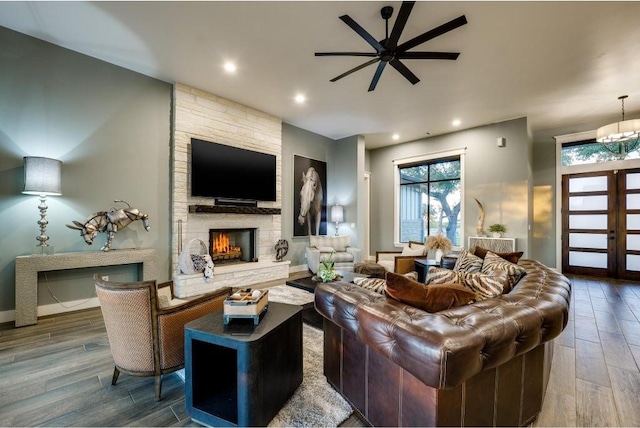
(110, 222)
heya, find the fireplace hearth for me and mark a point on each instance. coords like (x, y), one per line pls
(232, 246)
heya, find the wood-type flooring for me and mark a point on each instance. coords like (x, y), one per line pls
(58, 372)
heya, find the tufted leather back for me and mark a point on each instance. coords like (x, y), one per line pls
(446, 348)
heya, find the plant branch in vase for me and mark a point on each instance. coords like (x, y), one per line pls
(326, 270)
(440, 243)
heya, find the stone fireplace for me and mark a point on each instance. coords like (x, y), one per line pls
(202, 115)
(232, 246)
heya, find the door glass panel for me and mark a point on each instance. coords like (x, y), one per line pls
(633, 262)
(588, 184)
(633, 221)
(589, 240)
(633, 242)
(598, 221)
(594, 260)
(633, 201)
(633, 181)
(584, 203)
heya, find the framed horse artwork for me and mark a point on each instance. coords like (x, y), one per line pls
(309, 196)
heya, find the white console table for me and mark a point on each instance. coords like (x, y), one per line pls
(28, 267)
(500, 245)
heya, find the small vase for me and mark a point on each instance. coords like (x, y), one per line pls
(497, 234)
(438, 255)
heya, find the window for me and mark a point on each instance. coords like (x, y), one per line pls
(429, 199)
(588, 152)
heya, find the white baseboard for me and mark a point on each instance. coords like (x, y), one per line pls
(73, 305)
(7, 316)
(299, 268)
(54, 308)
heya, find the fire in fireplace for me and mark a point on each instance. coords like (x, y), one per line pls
(232, 245)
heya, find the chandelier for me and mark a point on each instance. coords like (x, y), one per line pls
(622, 137)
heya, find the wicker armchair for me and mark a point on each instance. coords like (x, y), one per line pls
(145, 338)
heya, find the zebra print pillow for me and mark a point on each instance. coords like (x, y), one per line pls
(378, 284)
(493, 263)
(438, 275)
(467, 262)
(485, 286)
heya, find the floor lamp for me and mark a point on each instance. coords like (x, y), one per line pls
(42, 177)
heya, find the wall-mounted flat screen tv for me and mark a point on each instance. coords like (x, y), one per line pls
(227, 172)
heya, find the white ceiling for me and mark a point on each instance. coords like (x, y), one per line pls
(558, 63)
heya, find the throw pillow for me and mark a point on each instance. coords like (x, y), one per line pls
(374, 284)
(408, 251)
(199, 261)
(434, 298)
(325, 249)
(415, 245)
(510, 257)
(438, 275)
(493, 263)
(485, 285)
(467, 262)
(377, 284)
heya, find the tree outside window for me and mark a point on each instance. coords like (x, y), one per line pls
(430, 197)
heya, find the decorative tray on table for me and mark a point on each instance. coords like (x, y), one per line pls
(246, 304)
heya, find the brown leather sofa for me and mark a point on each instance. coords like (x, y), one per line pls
(484, 364)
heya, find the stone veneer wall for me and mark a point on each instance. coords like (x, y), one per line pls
(202, 115)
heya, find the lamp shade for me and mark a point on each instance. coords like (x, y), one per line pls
(42, 176)
(337, 213)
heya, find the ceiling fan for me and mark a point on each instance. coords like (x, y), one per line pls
(388, 50)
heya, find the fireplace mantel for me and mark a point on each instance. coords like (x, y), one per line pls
(227, 209)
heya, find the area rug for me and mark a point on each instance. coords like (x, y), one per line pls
(315, 403)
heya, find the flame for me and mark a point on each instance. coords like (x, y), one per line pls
(221, 244)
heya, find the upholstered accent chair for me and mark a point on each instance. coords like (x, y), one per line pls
(338, 248)
(402, 261)
(145, 326)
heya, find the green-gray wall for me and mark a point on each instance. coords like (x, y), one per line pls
(341, 157)
(111, 129)
(499, 177)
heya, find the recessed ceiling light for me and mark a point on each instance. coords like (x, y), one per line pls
(300, 99)
(395, 136)
(230, 67)
(456, 122)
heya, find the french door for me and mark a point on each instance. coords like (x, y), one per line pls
(601, 224)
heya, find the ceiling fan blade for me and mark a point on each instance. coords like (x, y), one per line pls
(377, 75)
(362, 32)
(360, 67)
(431, 34)
(371, 54)
(428, 55)
(395, 63)
(398, 26)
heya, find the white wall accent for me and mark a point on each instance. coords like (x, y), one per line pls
(198, 114)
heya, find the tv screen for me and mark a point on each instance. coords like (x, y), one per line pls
(221, 171)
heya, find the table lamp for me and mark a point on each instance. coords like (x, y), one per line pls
(337, 215)
(42, 176)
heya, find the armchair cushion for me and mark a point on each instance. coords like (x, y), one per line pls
(337, 248)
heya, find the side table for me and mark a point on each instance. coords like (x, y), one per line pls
(422, 267)
(242, 379)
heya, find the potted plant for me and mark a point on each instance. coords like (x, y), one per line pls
(326, 270)
(440, 243)
(497, 230)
